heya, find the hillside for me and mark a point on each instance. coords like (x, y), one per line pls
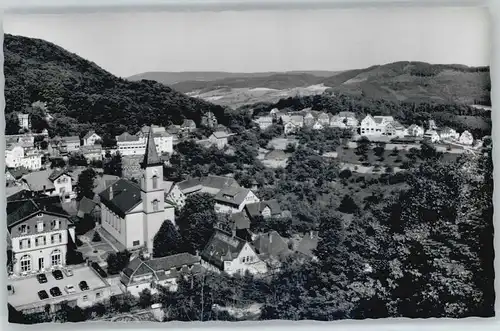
(81, 95)
(398, 81)
(193, 77)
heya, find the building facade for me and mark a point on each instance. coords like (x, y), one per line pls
(91, 138)
(233, 200)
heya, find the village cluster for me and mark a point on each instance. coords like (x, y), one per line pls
(42, 211)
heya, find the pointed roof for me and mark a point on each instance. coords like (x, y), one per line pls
(151, 157)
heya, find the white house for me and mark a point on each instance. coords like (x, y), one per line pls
(90, 138)
(415, 131)
(71, 143)
(233, 199)
(57, 182)
(344, 119)
(375, 125)
(219, 139)
(264, 122)
(13, 156)
(292, 123)
(39, 231)
(432, 135)
(17, 156)
(323, 119)
(318, 126)
(395, 129)
(309, 119)
(24, 121)
(134, 213)
(136, 144)
(228, 253)
(449, 134)
(466, 138)
(164, 271)
(174, 195)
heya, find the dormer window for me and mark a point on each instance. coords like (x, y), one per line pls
(39, 226)
(54, 224)
(39, 215)
(23, 229)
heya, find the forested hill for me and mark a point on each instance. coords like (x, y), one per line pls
(398, 81)
(82, 95)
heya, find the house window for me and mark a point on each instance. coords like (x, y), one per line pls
(136, 243)
(56, 238)
(26, 263)
(85, 297)
(23, 229)
(98, 295)
(40, 226)
(25, 243)
(54, 224)
(55, 257)
(155, 182)
(39, 241)
(155, 205)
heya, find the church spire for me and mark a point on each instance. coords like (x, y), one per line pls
(151, 157)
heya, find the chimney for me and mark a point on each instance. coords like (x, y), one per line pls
(111, 192)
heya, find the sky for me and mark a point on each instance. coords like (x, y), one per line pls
(128, 43)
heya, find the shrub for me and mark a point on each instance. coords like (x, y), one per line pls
(96, 237)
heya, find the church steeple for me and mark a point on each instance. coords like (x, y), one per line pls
(151, 157)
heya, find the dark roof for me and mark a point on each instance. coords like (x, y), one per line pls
(276, 155)
(272, 244)
(221, 247)
(89, 134)
(125, 136)
(56, 173)
(232, 195)
(255, 209)
(86, 205)
(23, 194)
(188, 123)
(218, 182)
(126, 195)
(138, 267)
(18, 172)
(151, 156)
(240, 221)
(20, 209)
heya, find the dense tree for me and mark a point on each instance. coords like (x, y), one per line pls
(348, 205)
(117, 261)
(85, 185)
(167, 240)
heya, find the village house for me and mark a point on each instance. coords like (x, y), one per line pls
(309, 119)
(133, 213)
(375, 125)
(71, 144)
(90, 138)
(415, 131)
(24, 121)
(51, 182)
(292, 123)
(264, 122)
(159, 272)
(136, 144)
(188, 126)
(88, 207)
(272, 249)
(318, 126)
(466, 138)
(238, 222)
(228, 253)
(273, 113)
(265, 209)
(219, 139)
(25, 140)
(395, 129)
(16, 156)
(432, 125)
(39, 231)
(207, 184)
(344, 120)
(307, 245)
(233, 200)
(91, 152)
(174, 195)
(432, 136)
(448, 134)
(209, 120)
(323, 119)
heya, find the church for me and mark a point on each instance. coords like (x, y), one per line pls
(134, 213)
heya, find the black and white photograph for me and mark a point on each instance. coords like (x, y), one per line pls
(174, 165)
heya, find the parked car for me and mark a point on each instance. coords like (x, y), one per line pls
(83, 285)
(69, 289)
(68, 272)
(55, 291)
(57, 274)
(99, 270)
(10, 289)
(41, 278)
(43, 295)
